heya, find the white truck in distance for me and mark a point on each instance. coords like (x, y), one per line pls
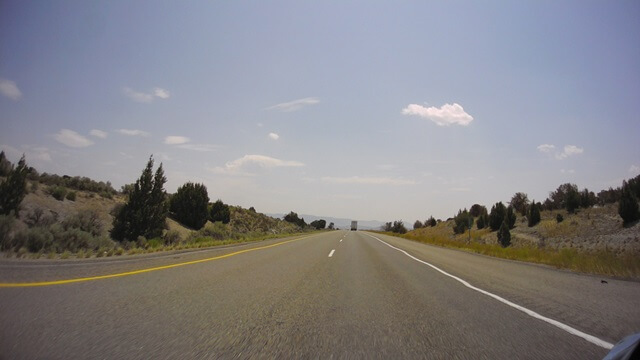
(354, 226)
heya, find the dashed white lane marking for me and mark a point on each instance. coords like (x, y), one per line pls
(331, 253)
(590, 338)
(340, 240)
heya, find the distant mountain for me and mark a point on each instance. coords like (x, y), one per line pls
(338, 222)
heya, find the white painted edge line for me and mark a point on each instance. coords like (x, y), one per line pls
(331, 253)
(590, 338)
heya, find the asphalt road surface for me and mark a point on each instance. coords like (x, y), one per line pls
(335, 294)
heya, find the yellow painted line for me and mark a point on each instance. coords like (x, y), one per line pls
(109, 276)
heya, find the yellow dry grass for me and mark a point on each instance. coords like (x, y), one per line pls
(598, 262)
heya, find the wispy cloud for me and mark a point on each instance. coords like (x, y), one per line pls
(183, 142)
(142, 97)
(274, 136)
(176, 140)
(130, 132)
(9, 89)
(570, 171)
(161, 93)
(72, 138)
(546, 148)
(567, 151)
(634, 169)
(199, 147)
(367, 180)
(239, 166)
(294, 105)
(447, 114)
(98, 133)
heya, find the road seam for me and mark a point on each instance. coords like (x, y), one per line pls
(109, 276)
(590, 338)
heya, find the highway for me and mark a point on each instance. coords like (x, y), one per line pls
(336, 294)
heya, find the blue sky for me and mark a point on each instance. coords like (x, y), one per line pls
(365, 110)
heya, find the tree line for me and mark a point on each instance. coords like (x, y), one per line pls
(148, 205)
(567, 196)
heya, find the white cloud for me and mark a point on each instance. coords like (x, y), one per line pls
(138, 96)
(98, 133)
(130, 132)
(199, 147)
(634, 169)
(294, 105)
(142, 97)
(184, 142)
(546, 148)
(9, 89)
(448, 114)
(367, 180)
(176, 140)
(274, 136)
(72, 138)
(161, 93)
(238, 166)
(569, 150)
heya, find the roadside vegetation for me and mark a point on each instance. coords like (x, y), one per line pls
(51, 216)
(572, 229)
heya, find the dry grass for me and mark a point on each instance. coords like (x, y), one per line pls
(528, 244)
(554, 229)
(598, 262)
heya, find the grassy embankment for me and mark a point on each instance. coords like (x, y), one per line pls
(603, 262)
(79, 228)
(151, 246)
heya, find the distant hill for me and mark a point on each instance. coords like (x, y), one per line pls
(341, 223)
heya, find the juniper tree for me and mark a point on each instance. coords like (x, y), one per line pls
(463, 221)
(145, 211)
(13, 189)
(5, 165)
(504, 236)
(628, 205)
(418, 224)
(220, 212)
(533, 216)
(189, 205)
(480, 223)
(497, 216)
